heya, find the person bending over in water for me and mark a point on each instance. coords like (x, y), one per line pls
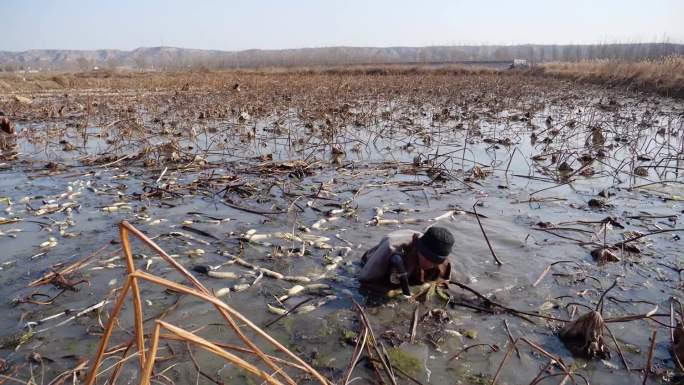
(407, 257)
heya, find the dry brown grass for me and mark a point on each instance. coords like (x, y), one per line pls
(207, 79)
(664, 76)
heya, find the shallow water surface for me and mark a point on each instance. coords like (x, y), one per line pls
(415, 163)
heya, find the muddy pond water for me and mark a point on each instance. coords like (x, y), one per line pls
(307, 197)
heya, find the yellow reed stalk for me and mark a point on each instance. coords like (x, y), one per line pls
(128, 227)
(92, 374)
(137, 302)
(212, 348)
(209, 298)
(166, 336)
(149, 364)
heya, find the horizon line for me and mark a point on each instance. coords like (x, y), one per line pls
(344, 46)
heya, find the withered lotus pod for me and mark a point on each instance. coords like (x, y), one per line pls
(584, 336)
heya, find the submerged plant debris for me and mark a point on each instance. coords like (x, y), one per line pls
(269, 186)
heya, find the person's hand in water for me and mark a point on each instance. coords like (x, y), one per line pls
(406, 298)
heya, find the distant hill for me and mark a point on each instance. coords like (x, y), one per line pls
(174, 58)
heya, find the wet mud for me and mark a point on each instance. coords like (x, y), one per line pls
(270, 192)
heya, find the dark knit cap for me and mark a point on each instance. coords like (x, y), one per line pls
(436, 244)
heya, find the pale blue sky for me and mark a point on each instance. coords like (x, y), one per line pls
(238, 25)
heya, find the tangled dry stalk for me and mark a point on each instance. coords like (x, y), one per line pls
(147, 357)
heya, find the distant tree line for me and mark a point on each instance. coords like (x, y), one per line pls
(178, 58)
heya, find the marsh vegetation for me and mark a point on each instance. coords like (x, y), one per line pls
(268, 187)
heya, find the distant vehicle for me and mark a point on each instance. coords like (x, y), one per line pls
(519, 63)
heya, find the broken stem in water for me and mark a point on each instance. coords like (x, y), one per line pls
(649, 361)
(491, 249)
